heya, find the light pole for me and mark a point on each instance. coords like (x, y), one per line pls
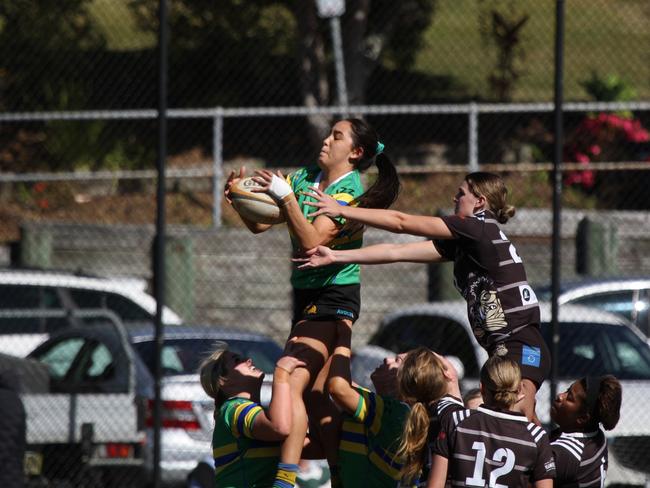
(332, 10)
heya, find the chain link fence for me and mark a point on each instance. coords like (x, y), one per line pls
(451, 87)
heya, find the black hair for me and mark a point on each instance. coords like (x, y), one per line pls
(385, 190)
(603, 399)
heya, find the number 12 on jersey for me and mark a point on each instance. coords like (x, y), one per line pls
(502, 456)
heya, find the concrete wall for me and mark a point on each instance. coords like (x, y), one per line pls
(232, 277)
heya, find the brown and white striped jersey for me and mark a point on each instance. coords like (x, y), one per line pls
(580, 458)
(490, 275)
(496, 449)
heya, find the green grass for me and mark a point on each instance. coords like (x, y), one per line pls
(115, 21)
(608, 36)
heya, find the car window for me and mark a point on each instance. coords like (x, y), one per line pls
(621, 302)
(441, 334)
(598, 349)
(183, 356)
(28, 297)
(126, 309)
(61, 356)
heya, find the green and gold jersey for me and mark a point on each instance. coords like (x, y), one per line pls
(344, 190)
(241, 461)
(369, 440)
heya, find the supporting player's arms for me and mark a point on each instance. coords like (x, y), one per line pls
(276, 424)
(390, 220)
(412, 252)
(339, 382)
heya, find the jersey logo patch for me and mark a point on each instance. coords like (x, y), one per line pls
(531, 356)
(311, 310)
(527, 295)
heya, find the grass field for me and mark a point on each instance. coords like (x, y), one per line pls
(605, 36)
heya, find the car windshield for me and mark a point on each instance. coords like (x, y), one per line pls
(598, 349)
(183, 356)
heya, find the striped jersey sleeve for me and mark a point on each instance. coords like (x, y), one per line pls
(240, 417)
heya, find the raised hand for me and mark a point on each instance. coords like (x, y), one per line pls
(233, 178)
(289, 363)
(315, 258)
(273, 184)
(326, 204)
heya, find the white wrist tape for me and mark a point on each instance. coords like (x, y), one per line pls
(279, 188)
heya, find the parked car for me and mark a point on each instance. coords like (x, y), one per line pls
(85, 392)
(591, 342)
(629, 297)
(35, 303)
(188, 413)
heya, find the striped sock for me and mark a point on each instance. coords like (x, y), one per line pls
(286, 476)
(335, 477)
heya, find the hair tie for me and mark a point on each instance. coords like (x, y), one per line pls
(380, 148)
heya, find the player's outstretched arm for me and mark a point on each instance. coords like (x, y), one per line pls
(390, 220)
(412, 252)
(277, 423)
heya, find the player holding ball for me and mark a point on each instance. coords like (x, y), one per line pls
(323, 298)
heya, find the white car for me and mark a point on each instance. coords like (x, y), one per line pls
(35, 303)
(592, 342)
(629, 297)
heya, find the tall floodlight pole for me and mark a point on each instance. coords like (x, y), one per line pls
(159, 240)
(557, 193)
(333, 10)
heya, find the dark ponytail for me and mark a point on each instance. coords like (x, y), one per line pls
(385, 190)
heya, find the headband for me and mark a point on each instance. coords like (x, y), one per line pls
(592, 391)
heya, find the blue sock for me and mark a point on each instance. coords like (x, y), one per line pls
(286, 476)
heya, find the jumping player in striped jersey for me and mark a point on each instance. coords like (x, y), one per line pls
(580, 445)
(502, 307)
(370, 448)
(494, 446)
(246, 440)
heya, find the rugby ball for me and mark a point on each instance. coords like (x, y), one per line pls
(257, 207)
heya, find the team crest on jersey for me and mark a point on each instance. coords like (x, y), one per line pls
(311, 310)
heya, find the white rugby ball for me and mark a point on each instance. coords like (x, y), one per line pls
(257, 207)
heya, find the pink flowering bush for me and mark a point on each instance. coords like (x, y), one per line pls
(602, 137)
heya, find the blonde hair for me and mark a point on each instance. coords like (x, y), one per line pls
(421, 381)
(501, 377)
(209, 370)
(492, 188)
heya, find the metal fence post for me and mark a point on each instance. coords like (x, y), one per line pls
(472, 143)
(217, 166)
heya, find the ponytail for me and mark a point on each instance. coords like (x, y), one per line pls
(422, 381)
(412, 448)
(385, 190)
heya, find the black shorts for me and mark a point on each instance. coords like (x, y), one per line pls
(528, 348)
(334, 302)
